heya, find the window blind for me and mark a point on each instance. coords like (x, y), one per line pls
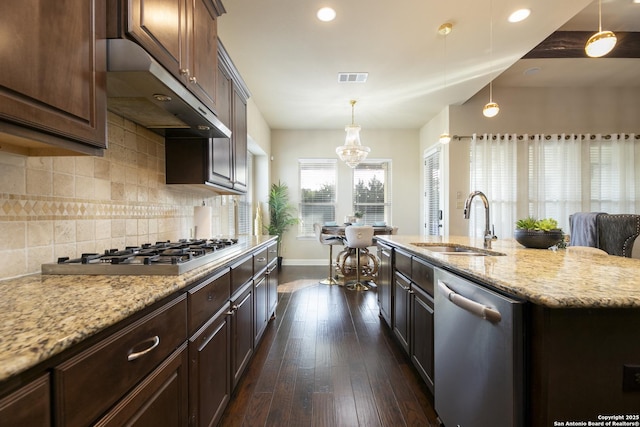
(371, 191)
(318, 178)
(432, 184)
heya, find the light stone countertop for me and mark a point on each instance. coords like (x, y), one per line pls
(40, 316)
(555, 279)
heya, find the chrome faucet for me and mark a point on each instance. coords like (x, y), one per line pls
(488, 235)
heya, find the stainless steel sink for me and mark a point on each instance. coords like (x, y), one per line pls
(455, 249)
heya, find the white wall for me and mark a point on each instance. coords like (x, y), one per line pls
(259, 139)
(402, 147)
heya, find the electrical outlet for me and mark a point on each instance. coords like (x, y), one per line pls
(630, 377)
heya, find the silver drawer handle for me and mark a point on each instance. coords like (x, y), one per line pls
(471, 306)
(261, 259)
(155, 341)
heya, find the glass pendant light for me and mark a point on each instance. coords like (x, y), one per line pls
(491, 109)
(444, 30)
(601, 42)
(352, 152)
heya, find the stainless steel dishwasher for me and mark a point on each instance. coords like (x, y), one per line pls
(479, 355)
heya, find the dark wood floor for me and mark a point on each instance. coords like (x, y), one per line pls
(329, 360)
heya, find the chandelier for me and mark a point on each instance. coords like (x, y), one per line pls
(352, 152)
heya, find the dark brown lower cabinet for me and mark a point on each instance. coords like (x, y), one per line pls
(413, 324)
(383, 283)
(28, 406)
(210, 371)
(241, 331)
(160, 400)
(272, 288)
(422, 350)
(260, 289)
(401, 289)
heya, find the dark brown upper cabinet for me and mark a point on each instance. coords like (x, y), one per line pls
(180, 35)
(53, 77)
(217, 163)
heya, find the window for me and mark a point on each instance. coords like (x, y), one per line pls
(371, 191)
(432, 212)
(243, 204)
(317, 193)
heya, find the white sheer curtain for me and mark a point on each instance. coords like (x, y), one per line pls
(615, 173)
(555, 177)
(494, 172)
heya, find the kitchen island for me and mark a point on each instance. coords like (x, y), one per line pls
(580, 323)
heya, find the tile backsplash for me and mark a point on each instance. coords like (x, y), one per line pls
(65, 206)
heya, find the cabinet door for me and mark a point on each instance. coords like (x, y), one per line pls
(242, 332)
(384, 283)
(210, 371)
(401, 289)
(160, 26)
(224, 84)
(260, 291)
(202, 51)
(272, 287)
(53, 71)
(28, 406)
(160, 400)
(239, 142)
(422, 334)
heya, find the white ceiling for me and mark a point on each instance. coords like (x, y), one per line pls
(290, 60)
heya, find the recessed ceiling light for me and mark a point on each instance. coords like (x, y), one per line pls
(326, 14)
(519, 15)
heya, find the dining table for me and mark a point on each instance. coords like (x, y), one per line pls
(345, 261)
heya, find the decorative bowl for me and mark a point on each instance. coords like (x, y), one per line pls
(538, 239)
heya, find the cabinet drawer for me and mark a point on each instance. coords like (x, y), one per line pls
(403, 262)
(91, 382)
(260, 260)
(207, 298)
(422, 275)
(272, 252)
(241, 273)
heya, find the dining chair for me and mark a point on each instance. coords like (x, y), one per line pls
(327, 239)
(359, 238)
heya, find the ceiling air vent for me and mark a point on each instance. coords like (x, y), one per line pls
(352, 77)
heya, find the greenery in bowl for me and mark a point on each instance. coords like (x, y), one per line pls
(530, 223)
(538, 233)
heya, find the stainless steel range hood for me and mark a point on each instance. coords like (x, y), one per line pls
(141, 90)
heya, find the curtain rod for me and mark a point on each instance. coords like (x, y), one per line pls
(532, 136)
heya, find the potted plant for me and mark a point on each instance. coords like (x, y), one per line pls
(538, 233)
(358, 215)
(281, 214)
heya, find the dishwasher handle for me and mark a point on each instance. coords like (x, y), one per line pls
(480, 310)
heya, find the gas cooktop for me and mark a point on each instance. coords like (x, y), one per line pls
(161, 258)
